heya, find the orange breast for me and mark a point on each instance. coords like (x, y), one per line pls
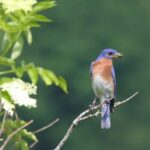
(103, 68)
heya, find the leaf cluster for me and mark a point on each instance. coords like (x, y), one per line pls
(22, 138)
(16, 27)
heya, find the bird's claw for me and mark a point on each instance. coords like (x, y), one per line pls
(91, 107)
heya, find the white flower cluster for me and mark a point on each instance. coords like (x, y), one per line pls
(15, 5)
(19, 92)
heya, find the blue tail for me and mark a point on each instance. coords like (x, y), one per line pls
(105, 116)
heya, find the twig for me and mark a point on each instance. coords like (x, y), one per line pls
(13, 133)
(126, 100)
(3, 121)
(16, 115)
(42, 129)
(46, 127)
(33, 144)
(84, 116)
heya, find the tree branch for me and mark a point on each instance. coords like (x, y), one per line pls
(46, 127)
(42, 129)
(2, 125)
(13, 133)
(87, 114)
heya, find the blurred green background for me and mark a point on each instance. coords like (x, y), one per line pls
(79, 31)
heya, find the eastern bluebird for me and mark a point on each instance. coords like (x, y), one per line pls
(104, 83)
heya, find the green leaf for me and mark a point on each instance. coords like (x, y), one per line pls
(29, 135)
(37, 17)
(21, 138)
(33, 24)
(6, 95)
(8, 104)
(44, 76)
(12, 125)
(6, 61)
(5, 80)
(13, 27)
(43, 5)
(49, 77)
(19, 71)
(6, 43)
(33, 74)
(28, 35)
(53, 77)
(3, 25)
(63, 84)
(22, 145)
(17, 48)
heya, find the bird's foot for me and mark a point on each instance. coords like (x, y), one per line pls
(91, 107)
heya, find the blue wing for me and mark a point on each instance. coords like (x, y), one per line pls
(114, 80)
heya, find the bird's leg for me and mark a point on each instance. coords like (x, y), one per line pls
(91, 107)
(94, 101)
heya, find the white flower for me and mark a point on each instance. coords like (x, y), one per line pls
(20, 91)
(15, 5)
(7, 106)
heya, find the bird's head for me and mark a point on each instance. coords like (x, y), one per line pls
(110, 54)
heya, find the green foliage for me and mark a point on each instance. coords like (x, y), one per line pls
(21, 139)
(42, 6)
(33, 73)
(19, 23)
(16, 23)
(63, 84)
(46, 75)
(28, 35)
(5, 80)
(6, 61)
(17, 48)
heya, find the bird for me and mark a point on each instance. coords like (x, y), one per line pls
(104, 83)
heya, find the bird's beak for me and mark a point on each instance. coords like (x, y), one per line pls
(117, 55)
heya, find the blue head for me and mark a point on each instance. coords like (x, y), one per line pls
(109, 54)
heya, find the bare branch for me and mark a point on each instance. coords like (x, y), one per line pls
(46, 127)
(42, 129)
(87, 114)
(3, 121)
(13, 133)
(33, 144)
(126, 100)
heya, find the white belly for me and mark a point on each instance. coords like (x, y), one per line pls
(103, 90)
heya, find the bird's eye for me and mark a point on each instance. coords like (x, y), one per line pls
(110, 53)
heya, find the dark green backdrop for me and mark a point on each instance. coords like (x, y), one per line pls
(79, 31)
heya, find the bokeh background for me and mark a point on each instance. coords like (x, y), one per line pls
(79, 31)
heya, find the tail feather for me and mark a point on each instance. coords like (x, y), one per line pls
(105, 116)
